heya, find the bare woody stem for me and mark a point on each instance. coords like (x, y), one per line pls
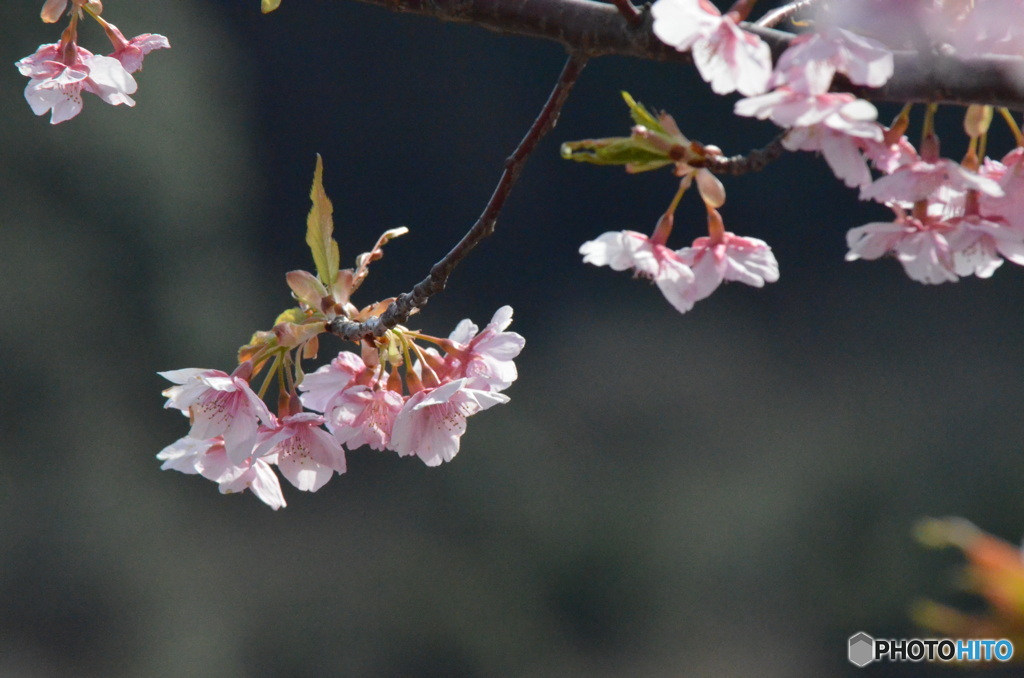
(404, 305)
(629, 11)
(754, 161)
(595, 28)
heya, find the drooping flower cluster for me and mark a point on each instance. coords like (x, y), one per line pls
(60, 72)
(687, 275)
(951, 222)
(393, 395)
(235, 439)
(729, 58)
(839, 125)
(953, 219)
(364, 405)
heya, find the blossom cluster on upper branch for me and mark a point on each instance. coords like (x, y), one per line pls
(952, 218)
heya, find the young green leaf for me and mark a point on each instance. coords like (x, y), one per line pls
(638, 156)
(320, 227)
(641, 115)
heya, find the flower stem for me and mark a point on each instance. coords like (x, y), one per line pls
(1012, 124)
(665, 223)
(270, 375)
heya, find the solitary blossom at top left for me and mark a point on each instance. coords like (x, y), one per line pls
(390, 394)
(59, 72)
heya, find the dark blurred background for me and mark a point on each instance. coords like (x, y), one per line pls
(729, 492)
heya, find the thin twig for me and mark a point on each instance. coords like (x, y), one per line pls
(780, 14)
(754, 161)
(403, 306)
(628, 10)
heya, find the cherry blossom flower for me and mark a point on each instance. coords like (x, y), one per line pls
(727, 57)
(360, 415)
(485, 357)
(804, 106)
(1010, 174)
(919, 244)
(888, 157)
(320, 387)
(922, 180)
(842, 149)
(726, 256)
(839, 125)
(979, 245)
(307, 455)
(209, 458)
(432, 421)
(60, 73)
(36, 65)
(131, 52)
(863, 60)
(622, 250)
(219, 404)
(984, 30)
(926, 256)
(893, 23)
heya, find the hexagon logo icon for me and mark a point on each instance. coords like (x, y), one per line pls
(862, 649)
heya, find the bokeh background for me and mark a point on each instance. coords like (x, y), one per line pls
(730, 492)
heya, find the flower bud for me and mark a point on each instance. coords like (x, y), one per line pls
(711, 189)
(977, 120)
(52, 10)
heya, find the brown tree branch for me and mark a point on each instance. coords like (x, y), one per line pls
(754, 161)
(585, 26)
(629, 11)
(403, 306)
(596, 28)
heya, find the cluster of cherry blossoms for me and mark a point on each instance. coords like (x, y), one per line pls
(235, 439)
(59, 72)
(687, 275)
(952, 219)
(394, 394)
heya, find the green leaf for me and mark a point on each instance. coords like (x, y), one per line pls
(615, 151)
(641, 115)
(320, 227)
(268, 6)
